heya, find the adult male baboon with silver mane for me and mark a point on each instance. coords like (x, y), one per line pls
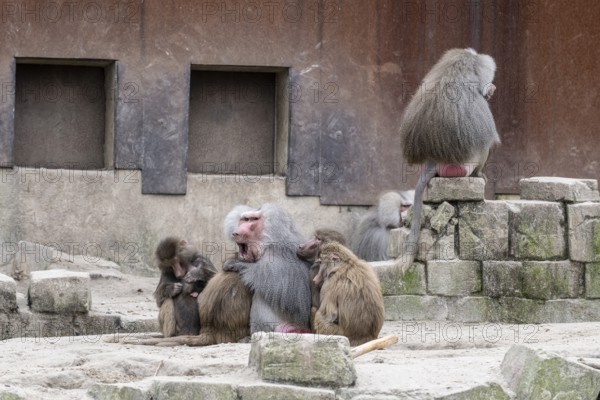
(448, 125)
(267, 240)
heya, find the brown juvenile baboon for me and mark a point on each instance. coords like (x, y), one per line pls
(449, 126)
(351, 299)
(309, 251)
(224, 308)
(184, 274)
(370, 239)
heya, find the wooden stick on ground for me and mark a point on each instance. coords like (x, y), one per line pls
(374, 345)
(120, 337)
(590, 362)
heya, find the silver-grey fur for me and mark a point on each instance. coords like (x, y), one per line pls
(279, 280)
(370, 239)
(448, 121)
(233, 218)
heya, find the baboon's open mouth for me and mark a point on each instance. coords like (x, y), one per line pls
(243, 247)
(248, 252)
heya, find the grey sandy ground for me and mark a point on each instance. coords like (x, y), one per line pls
(430, 359)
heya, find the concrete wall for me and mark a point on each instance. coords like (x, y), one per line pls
(103, 213)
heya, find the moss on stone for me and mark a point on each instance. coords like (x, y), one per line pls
(413, 281)
(533, 244)
(596, 241)
(492, 391)
(592, 280)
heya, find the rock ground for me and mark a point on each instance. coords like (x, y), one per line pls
(431, 359)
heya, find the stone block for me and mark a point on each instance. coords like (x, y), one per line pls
(302, 359)
(8, 294)
(453, 278)
(502, 278)
(537, 230)
(38, 257)
(426, 214)
(442, 216)
(398, 241)
(584, 232)
(559, 189)
(490, 391)
(398, 244)
(281, 392)
(393, 283)
(483, 230)
(570, 310)
(176, 388)
(432, 246)
(438, 246)
(59, 291)
(592, 280)
(534, 375)
(120, 391)
(394, 245)
(546, 280)
(473, 309)
(12, 393)
(542, 280)
(520, 311)
(454, 189)
(415, 308)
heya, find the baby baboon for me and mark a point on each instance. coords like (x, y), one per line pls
(184, 274)
(309, 251)
(351, 299)
(449, 126)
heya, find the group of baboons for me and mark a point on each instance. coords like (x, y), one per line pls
(278, 282)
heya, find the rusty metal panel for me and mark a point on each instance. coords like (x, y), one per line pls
(379, 56)
(548, 80)
(353, 66)
(236, 108)
(59, 116)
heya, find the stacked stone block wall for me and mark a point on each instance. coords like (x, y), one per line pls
(531, 260)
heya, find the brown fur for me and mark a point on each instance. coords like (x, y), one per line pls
(224, 308)
(309, 251)
(351, 299)
(448, 121)
(184, 271)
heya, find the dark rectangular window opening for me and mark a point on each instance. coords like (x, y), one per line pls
(238, 121)
(64, 114)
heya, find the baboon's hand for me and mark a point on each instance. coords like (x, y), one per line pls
(176, 289)
(194, 275)
(233, 266)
